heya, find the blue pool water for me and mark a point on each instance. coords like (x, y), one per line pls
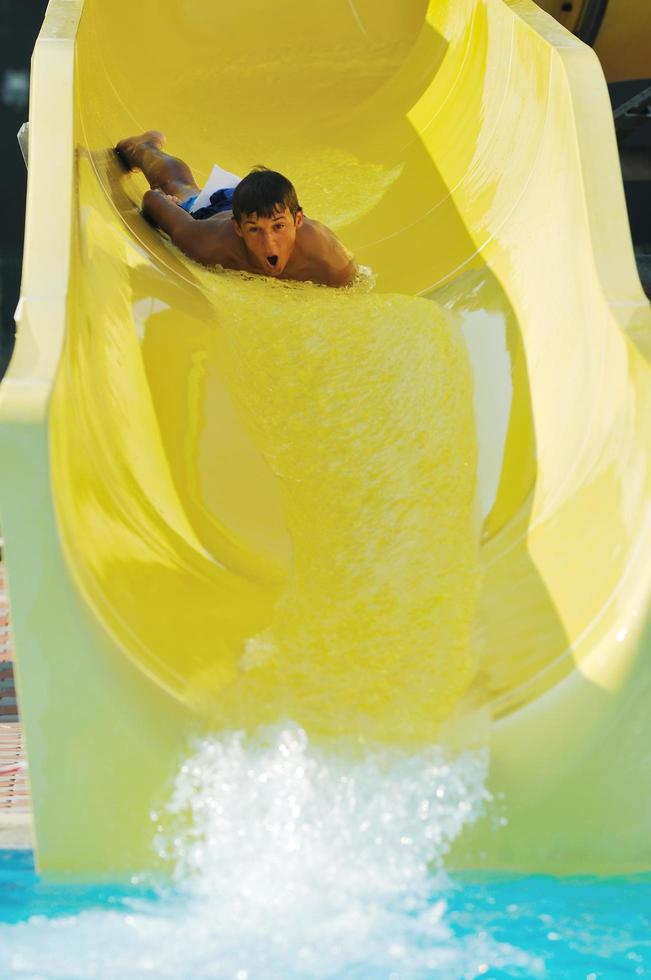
(287, 862)
(488, 927)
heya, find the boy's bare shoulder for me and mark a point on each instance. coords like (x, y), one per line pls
(335, 264)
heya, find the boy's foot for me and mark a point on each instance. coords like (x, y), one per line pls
(130, 149)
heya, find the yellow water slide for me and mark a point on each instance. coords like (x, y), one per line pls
(421, 502)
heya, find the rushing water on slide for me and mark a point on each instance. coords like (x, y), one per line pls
(362, 406)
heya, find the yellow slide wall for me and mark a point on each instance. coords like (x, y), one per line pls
(205, 477)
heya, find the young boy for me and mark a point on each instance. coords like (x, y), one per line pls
(258, 226)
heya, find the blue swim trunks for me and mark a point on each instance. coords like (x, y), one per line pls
(220, 201)
(187, 204)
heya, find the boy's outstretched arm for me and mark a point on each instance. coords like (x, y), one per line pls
(195, 238)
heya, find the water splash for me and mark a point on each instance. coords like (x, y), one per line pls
(326, 862)
(289, 860)
(274, 805)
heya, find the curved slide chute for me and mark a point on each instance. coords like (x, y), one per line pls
(205, 477)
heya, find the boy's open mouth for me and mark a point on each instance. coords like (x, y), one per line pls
(272, 260)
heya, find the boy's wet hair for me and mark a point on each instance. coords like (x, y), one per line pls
(264, 192)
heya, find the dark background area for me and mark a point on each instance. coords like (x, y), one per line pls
(638, 192)
(20, 21)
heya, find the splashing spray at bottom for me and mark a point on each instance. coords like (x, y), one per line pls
(291, 860)
(318, 860)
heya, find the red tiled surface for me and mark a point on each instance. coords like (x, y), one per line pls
(14, 790)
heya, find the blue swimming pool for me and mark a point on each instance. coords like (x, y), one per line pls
(477, 927)
(287, 862)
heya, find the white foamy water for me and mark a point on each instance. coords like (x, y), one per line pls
(288, 861)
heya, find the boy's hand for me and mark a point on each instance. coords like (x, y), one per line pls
(159, 193)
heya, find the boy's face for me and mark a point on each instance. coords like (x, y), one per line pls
(270, 241)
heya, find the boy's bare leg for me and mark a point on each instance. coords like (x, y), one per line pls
(145, 152)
